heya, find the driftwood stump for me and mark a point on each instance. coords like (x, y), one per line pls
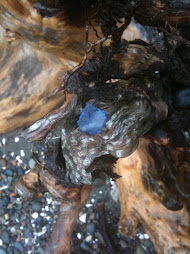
(134, 65)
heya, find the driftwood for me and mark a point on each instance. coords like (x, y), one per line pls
(73, 199)
(154, 191)
(133, 62)
(35, 53)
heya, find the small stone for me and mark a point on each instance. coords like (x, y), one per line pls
(31, 163)
(182, 99)
(84, 246)
(27, 233)
(40, 251)
(146, 236)
(101, 239)
(19, 247)
(5, 237)
(23, 217)
(9, 172)
(35, 215)
(139, 250)
(79, 236)
(14, 163)
(92, 216)
(90, 228)
(115, 194)
(89, 238)
(6, 216)
(147, 243)
(3, 163)
(99, 182)
(2, 251)
(82, 218)
(13, 230)
(37, 206)
(123, 244)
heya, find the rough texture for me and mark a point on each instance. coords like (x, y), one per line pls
(126, 123)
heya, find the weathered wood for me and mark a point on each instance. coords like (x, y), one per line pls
(39, 43)
(35, 52)
(152, 192)
(73, 199)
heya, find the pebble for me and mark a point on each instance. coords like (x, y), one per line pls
(31, 163)
(123, 244)
(40, 251)
(89, 238)
(84, 246)
(19, 246)
(115, 194)
(35, 215)
(3, 163)
(90, 228)
(13, 230)
(182, 99)
(147, 243)
(6, 216)
(23, 217)
(9, 172)
(4, 202)
(82, 218)
(139, 250)
(2, 251)
(37, 206)
(27, 232)
(5, 237)
(99, 182)
(92, 216)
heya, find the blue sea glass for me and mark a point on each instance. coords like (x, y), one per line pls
(92, 119)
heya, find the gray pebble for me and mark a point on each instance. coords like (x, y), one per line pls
(90, 228)
(3, 163)
(23, 217)
(9, 172)
(37, 206)
(147, 243)
(182, 99)
(2, 251)
(84, 246)
(40, 251)
(27, 233)
(5, 237)
(99, 182)
(19, 246)
(31, 163)
(115, 194)
(139, 250)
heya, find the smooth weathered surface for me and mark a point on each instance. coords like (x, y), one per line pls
(35, 52)
(152, 192)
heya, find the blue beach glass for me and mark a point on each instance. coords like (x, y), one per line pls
(92, 119)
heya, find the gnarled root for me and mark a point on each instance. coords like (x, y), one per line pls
(150, 194)
(60, 242)
(73, 198)
(42, 128)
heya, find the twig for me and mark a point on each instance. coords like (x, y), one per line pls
(102, 226)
